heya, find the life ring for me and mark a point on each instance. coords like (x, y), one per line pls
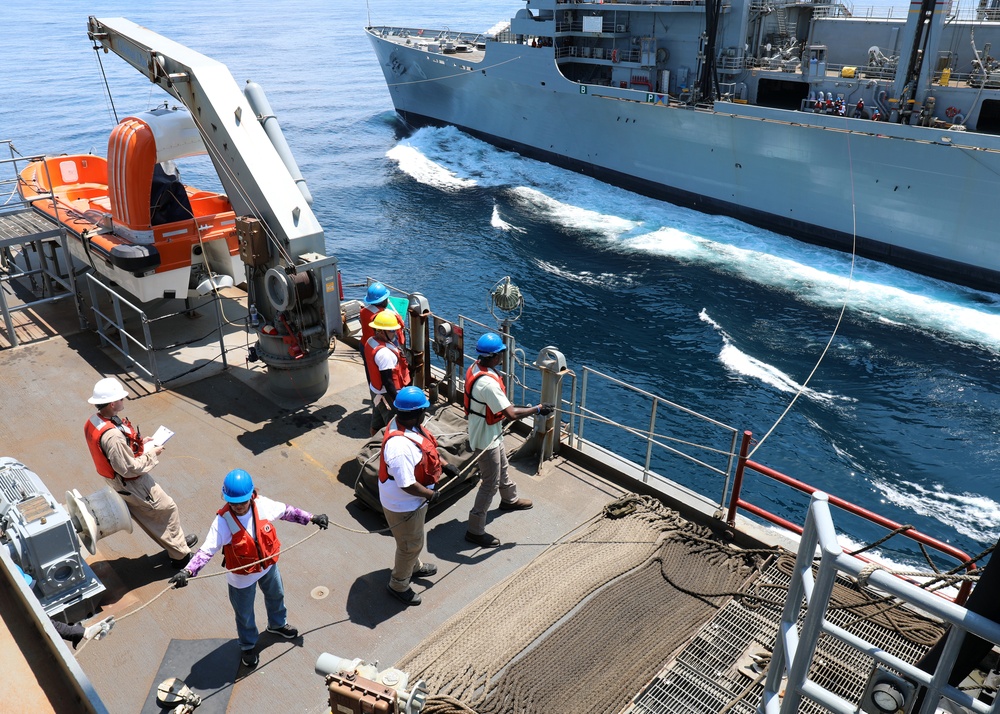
(950, 112)
(614, 55)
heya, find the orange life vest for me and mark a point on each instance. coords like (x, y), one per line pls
(94, 429)
(472, 374)
(400, 373)
(245, 548)
(366, 317)
(428, 471)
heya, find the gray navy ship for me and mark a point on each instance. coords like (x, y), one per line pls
(845, 128)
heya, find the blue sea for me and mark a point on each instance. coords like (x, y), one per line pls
(901, 415)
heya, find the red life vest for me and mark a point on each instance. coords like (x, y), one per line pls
(366, 317)
(94, 429)
(400, 373)
(246, 548)
(428, 471)
(472, 374)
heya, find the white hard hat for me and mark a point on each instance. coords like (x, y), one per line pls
(108, 390)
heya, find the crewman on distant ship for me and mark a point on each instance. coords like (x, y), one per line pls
(123, 456)
(487, 405)
(386, 365)
(859, 109)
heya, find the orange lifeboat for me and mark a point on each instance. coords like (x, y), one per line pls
(133, 220)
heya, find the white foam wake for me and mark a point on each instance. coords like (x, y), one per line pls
(500, 224)
(735, 360)
(449, 160)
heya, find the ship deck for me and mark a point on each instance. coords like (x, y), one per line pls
(303, 456)
(567, 581)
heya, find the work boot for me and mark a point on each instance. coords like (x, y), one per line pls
(425, 571)
(521, 504)
(484, 540)
(250, 659)
(407, 597)
(286, 631)
(191, 540)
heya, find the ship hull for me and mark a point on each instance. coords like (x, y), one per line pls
(904, 195)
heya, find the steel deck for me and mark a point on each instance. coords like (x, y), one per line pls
(304, 456)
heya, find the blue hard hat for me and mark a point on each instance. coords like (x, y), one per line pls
(27, 578)
(377, 292)
(490, 344)
(237, 486)
(410, 399)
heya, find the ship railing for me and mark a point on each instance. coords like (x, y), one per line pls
(418, 33)
(114, 324)
(41, 237)
(634, 2)
(745, 466)
(644, 434)
(629, 419)
(795, 645)
(628, 412)
(114, 332)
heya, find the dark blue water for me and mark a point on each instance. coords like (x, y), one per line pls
(901, 416)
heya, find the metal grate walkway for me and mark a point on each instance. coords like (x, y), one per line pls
(714, 673)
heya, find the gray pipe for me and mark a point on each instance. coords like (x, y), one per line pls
(265, 115)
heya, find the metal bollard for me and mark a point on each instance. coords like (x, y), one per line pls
(552, 365)
(420, 366)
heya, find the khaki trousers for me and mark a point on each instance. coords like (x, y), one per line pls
(155, 512)
(408, 530)
(493, 468)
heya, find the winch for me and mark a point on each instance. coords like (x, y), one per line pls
(356, 687)
(44, 538)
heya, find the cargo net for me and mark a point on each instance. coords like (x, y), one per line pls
(722, 670)
(589, 622)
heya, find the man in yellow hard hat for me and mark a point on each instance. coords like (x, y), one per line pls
(386, 365)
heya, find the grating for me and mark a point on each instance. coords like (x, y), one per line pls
(704, 677)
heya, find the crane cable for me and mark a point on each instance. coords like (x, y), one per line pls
(843, 307)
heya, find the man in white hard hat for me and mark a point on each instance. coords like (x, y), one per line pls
(124, 457)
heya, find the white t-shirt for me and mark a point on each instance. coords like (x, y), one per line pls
(219, 536)
(482, 435)
(385, 359)
(401, 458)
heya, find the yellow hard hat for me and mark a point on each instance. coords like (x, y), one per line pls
(385, 320)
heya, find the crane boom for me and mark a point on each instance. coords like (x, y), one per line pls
(251, 171)
(291, 281)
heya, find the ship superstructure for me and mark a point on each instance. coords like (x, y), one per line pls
(847, 128)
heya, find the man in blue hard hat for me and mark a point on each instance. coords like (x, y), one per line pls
(408, 473)
(487, 405)
(376, 301)
(242, 529)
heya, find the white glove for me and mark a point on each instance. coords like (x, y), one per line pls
(99, 630)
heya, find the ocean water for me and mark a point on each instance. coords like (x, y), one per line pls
(901, 416)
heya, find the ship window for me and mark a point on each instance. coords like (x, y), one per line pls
(989, 117)
(68, 172)
(781, 94)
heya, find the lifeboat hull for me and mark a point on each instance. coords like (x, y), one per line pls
(130, 218)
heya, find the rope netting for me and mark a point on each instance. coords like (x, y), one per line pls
(586, 624)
